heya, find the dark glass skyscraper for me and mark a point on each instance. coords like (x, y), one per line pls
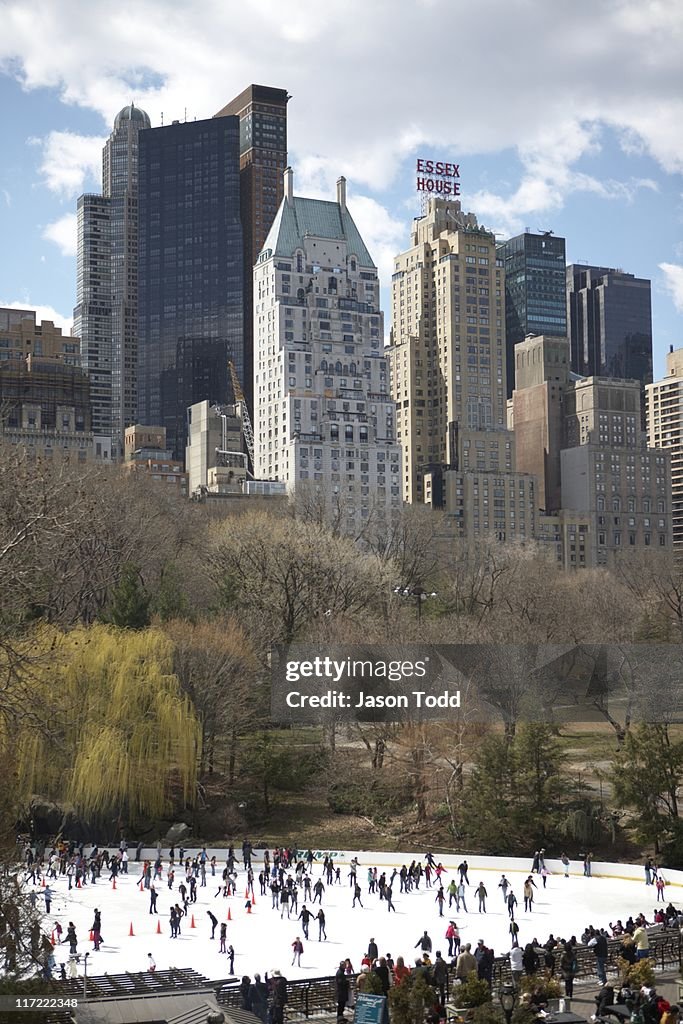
(535, 297)
(610, 324)
(190, 270)
(262, 111)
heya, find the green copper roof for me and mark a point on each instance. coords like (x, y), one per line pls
(318, 217)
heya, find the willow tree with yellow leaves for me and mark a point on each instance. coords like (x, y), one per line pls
(125, 740)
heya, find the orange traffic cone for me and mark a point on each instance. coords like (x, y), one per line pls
(131, 933)
(246, 894)
(158, 927)
(52, 938)
(192, 924)
(229, 915)
(253, 900)
(78, 883)
(42, 881)
(113, 884)
(142, 884)
(249, 908)
(92, 937)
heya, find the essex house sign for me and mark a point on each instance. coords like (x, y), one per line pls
(437, 177)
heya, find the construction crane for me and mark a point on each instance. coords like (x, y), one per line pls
(246, 421)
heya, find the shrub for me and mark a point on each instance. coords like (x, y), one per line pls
(638, 974)
(472, 992)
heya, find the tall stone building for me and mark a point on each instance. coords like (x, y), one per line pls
(448, 341)
(262, 113)
(105, 316)
(190, 271)
(324, 418)
(608, 471)
(601, 491)
(536, 413)
(665, 431)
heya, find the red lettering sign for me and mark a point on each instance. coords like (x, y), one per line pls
(436, 176)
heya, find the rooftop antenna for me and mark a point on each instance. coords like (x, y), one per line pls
(186, 115)
(162, 119)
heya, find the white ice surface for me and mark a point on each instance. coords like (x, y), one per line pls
(262, 941)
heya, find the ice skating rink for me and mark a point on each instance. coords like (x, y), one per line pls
(262, 941)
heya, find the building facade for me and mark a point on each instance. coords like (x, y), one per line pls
(262, 113)
(665, 431)
(120, 186)
(324, 419)
(106, 286)
(21, 336)
(536, 413)
(610, 325)
(216, 456)
(92, 313)
(45, 408)
(608, 471)
(448, 340)
(190, 315)
(535, 290)
(146, 454)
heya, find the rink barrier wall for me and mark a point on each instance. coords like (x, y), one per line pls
(450, 861)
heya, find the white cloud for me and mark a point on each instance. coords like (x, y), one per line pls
(383, 235)
(42, 313)
(363, 98)
(673, 282)
(6, 196)
(70, 163)
(63, 233)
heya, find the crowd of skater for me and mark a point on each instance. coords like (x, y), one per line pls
(295, 884)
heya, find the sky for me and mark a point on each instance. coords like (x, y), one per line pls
(563, 117)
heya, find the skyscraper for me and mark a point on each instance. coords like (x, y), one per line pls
(120, 186)
(448, 333)
(665, 430)
(92, 313)
(610, 325)
(105, 315)
(324, 419)
(535, 291)
(263, 157)
(190, 270)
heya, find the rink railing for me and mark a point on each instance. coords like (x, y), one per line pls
(311, 997)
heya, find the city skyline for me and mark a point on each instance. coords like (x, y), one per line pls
(594, 155)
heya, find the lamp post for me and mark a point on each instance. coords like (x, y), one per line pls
(85, 975)
(215, 1018)
(418, 593)
(508, 998)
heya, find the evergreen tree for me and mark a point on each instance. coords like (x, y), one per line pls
(129, 602)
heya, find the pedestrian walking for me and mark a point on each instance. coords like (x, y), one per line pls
(461, 897)
(231, 959)
(504, 884)
(481, 893)
(72, 938)
(356, 895)
(151, 963)
(214, 923)
(440, 899)
(222, 936)
(320, 917)
(152, 900)
(565, 863)
(511, 903)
